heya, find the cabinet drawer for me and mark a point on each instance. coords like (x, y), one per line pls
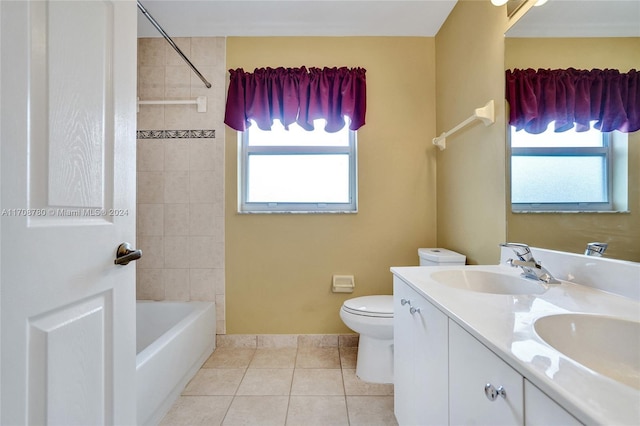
(471, 367)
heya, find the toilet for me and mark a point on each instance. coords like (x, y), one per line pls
(372, 318)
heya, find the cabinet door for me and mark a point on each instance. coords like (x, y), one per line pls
(540, 410)
(471, 367)
(403, 365)
(420, 359)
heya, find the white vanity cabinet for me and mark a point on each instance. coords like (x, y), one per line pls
(441, 371)
(540, 410)
(483, 324)
(420, 359)
(483, 389)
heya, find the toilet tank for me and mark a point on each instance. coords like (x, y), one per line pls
(440, 257)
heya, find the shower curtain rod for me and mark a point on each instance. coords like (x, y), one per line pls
(175, 46)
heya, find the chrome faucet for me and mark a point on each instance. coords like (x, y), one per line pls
(596, 249)
(531, 268)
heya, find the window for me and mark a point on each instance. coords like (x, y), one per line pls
(297, 170)
(568, 171)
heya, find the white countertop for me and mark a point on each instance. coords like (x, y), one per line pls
(504, 323)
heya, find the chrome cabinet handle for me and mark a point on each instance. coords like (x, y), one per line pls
(126, 254)
(492, 393)
(412, 309)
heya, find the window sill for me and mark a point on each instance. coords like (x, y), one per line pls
(570, 211)
(298, 212)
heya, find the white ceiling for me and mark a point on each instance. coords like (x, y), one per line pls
(209, 18)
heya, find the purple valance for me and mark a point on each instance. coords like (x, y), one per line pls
(573, 97)
(296, 95)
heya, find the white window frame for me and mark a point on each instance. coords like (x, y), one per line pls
(606, 151)
(246, 150)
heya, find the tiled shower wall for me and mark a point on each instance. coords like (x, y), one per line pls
(180, 175)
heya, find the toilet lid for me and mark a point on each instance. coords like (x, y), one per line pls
(373, 306)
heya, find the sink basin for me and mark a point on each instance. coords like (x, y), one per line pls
(609, 346)
(488, 282)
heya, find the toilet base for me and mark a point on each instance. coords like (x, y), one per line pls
(375, 360)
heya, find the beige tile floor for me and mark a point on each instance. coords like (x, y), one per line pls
(282, 386)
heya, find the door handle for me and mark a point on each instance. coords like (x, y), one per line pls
(126, 254)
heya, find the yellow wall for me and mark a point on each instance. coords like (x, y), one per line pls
(279, 267)
(471, 170)
(571, 232)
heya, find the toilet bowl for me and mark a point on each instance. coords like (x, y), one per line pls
(372, 318)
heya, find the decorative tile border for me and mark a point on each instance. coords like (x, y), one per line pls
(175, 134)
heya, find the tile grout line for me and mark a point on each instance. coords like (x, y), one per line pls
(344, 387)
(295, 360)
(235, 393)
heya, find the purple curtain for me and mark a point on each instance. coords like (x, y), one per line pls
(573, 97)
(296, 95)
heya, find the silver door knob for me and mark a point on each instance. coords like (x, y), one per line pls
(126, 254)
(492, 393)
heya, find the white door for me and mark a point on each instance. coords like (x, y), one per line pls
(67, 167)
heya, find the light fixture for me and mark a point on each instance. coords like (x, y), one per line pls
(502, 2)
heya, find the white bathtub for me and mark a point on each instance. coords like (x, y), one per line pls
(173, 341)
